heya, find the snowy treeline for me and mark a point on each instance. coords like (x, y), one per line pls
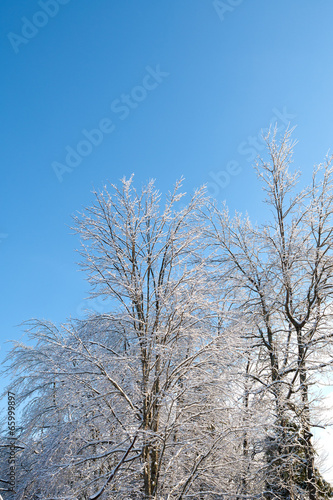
(197, 384)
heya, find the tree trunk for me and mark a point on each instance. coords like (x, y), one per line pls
(306, 424)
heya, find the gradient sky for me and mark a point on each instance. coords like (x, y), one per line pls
(181, 87)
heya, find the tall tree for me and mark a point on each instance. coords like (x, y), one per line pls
(281, 271)
(130, 404)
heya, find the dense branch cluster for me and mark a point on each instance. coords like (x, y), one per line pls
(199, 382)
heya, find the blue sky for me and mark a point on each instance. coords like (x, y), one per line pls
(175, 88)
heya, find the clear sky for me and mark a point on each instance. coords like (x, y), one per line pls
(95, 90)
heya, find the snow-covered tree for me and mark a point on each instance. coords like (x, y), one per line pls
(198, 381)
(134, 403)
(279, 274)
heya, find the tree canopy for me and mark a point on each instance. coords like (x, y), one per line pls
(197, 383)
